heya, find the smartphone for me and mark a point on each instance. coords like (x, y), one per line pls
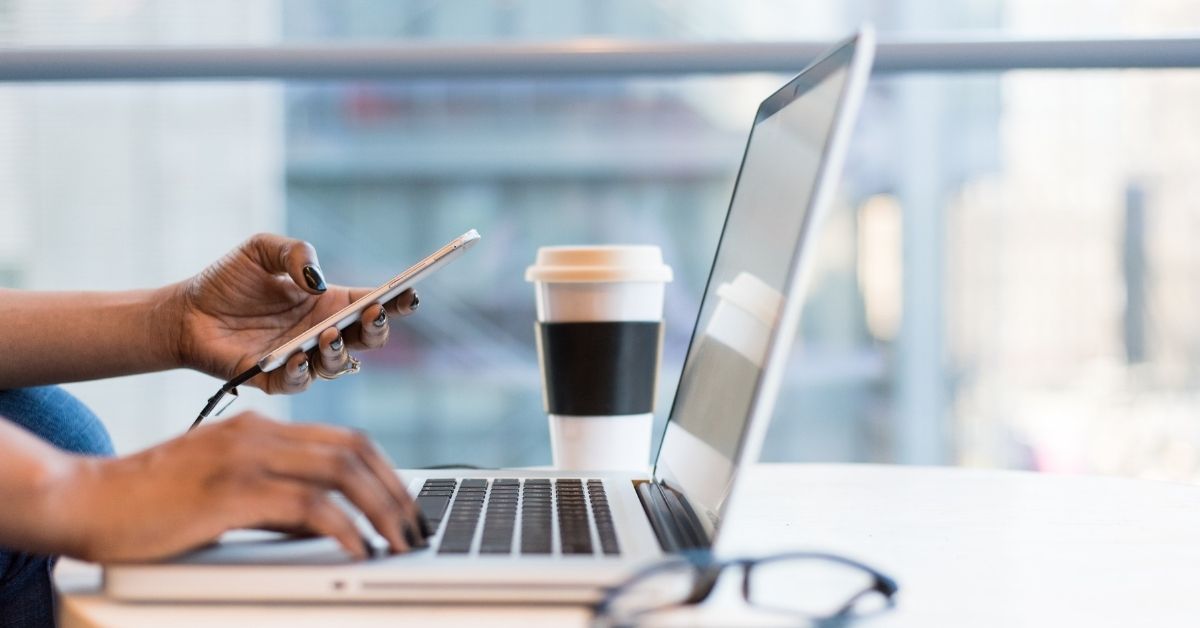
(388, 291)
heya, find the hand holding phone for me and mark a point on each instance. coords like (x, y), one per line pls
(345, 317)
(384, 293)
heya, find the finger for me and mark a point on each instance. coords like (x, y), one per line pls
(299, 533)
(404, 304)
(289, 504)
(297, 258)
(331, 351)
(371, 332)
(338, 467)
(294, 377)
(385, 470)
(375, 459)
(325, 518)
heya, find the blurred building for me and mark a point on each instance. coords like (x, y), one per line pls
(1006, 280)
(374, 169)
(107, 186)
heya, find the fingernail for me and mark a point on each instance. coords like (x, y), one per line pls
(314, 278)
(381, 319)
(425, 531)
(415, 302)
(409, 535)
(302, 367)
(336, 345)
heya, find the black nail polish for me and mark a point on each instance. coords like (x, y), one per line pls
(336, 345)
(415, 302)
(425, 531)
(409, 535)
(314, 278)
(381, 319)
(302, 367)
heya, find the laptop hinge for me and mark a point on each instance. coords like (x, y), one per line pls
(673, 520)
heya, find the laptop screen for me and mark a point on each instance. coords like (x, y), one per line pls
(740, 313)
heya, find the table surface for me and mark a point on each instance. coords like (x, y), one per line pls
(968, 547)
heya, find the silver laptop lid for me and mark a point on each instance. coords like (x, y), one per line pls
(751, 306)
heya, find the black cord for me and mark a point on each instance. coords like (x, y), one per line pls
(229, 388)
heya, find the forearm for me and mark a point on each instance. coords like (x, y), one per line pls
(34, 490)
(54, 337)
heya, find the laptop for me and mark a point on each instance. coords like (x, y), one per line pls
(545, 536)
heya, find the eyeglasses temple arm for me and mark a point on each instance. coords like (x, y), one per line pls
(229, 387)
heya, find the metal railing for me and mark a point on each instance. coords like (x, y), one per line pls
(573, 58)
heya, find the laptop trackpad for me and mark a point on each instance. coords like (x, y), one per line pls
(256, 547)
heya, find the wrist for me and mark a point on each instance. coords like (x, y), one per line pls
(62, 509)
(99, 504)
(166, 322)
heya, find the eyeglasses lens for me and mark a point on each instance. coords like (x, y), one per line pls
(230, 397)
(812, 587)
(669, 586)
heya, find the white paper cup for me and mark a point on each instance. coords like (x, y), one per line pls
(599, 333)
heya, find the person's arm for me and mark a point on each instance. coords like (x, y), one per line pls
(32, 475)
(55, 337)
(221, 321)
(247, 472)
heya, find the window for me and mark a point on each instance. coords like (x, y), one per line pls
(1006, 280)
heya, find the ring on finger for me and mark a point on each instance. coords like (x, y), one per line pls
(352, 366)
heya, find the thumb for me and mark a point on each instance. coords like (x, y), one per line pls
(297, 258)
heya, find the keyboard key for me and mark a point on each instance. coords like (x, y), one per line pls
(500, 520)
(461, 523)
(433, 507)
(605, 530)
(535, 517)
(573, 528)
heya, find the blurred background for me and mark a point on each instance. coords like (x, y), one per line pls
(1008, 279)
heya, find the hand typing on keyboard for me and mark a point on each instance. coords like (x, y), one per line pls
(246, 472)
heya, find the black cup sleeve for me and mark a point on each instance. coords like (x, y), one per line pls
(599, 368)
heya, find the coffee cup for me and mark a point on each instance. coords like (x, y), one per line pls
(599, 342)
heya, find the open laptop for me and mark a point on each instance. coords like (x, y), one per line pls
(545, 536)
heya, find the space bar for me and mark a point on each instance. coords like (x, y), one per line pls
(433, 507)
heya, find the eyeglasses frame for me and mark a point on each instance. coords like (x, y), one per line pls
(708, 570)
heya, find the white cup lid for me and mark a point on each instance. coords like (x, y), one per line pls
(587, 264)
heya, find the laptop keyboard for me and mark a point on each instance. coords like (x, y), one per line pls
(520, 516)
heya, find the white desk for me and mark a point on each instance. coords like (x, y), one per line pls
(977, 548)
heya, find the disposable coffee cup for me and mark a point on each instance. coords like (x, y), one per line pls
(599, 342)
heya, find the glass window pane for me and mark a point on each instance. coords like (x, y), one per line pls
(1005, 280)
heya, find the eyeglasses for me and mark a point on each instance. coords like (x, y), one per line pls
(824, 589)
(228, 389)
